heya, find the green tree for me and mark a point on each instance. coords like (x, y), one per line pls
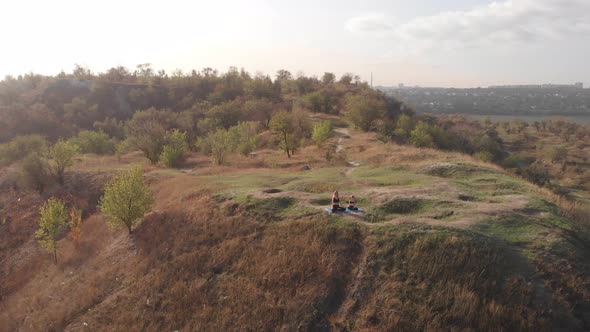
(94, 142)
(282, 125)
(62, 154)
(53, 219)
(243, 137)
(321, 132)
(346, 79)
(328, 78)
(147, 132)
(217, 145)
(259, 110)
(364, 109)
(421, 137)
(386, 131)
(175, 149)
(20, 147)
(404, 126)
(127, 199)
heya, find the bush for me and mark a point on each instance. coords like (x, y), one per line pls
(96, 142)
(122, 148)
(536, 173)
(404, 126)
(484, 156)
(216, 145)
(421, 137)
(556, 153)
(20, 147)
(386, 131)
(363, 110)
(126, 199)
(243, 137)
(35, 172)
(174, 150)
(62, 154)
(53, 219)
(321, 132)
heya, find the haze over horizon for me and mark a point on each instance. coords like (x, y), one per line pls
(458, 43)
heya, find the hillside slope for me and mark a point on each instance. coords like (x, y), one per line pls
(446, 243)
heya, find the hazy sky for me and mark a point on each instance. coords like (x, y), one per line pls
(419, 42)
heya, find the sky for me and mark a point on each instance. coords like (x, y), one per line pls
(450, 43)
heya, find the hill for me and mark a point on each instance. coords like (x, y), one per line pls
(447, 242)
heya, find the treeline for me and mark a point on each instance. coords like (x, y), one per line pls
(164, 115)
(63, 105)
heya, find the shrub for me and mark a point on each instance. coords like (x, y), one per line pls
(174, 150)
(386, 131)
(484, 156)
(62, 154)
(321, 132)
(536, 173)
(96, 142)
(421, 137)
(363, 110)
(122, 148)
(127, 199)
(75, 233)
(216, 145)
(35, 172)
(404, 126)
(20, 147)
(147, 132)
(53, 218)
(556, 153)
(243, 137)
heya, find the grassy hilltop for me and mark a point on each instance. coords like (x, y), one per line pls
(447, 242)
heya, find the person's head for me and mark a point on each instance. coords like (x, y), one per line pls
(335, 194)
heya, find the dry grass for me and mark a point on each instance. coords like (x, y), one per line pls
(199, 264)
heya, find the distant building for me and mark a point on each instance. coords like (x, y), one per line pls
(579, 85)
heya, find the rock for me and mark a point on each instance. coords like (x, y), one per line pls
(306, 168)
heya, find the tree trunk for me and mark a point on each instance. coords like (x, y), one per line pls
(55, 255)
(287, 145)
(128, 228)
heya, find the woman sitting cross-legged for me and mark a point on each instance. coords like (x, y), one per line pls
(336, 203)
(352, 203)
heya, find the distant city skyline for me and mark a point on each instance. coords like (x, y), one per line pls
(453, 43)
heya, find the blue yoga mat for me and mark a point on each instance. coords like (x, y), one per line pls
(329, 210)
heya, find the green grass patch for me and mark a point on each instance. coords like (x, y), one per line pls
(389, 176)
(322, 201)
(512, 228)
(492, 184)
(268, 209)
(405, 205)
(550, 214)
(399, 206)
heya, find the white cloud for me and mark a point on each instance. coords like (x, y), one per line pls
(509, 21)
(369, 23)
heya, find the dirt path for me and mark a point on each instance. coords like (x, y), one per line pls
(342, 134)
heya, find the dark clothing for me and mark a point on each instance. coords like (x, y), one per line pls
(352, 205)
(336, 205)
(352, 208)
